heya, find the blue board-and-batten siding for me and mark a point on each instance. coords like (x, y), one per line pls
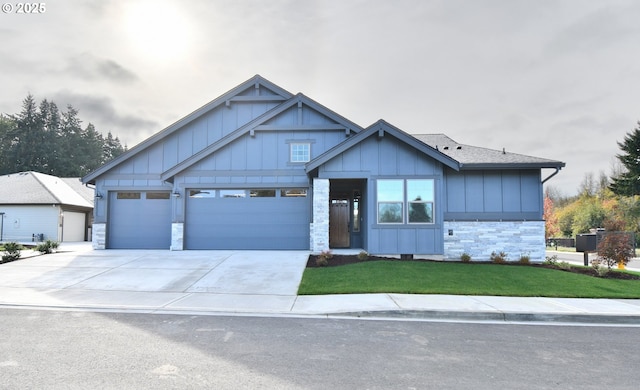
(493, 195)
(383, 158)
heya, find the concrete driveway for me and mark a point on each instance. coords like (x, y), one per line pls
(155, 278)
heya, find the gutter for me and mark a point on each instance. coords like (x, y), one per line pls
(551, 175)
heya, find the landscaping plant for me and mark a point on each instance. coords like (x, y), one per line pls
(11, 252)
(47, 247)
(323, 258)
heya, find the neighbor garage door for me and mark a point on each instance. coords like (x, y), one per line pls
(247, 219)
(73, 226)
(139, 220)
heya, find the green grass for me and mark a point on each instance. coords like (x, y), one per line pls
(461, 279)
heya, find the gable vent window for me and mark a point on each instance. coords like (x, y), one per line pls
(300, 152)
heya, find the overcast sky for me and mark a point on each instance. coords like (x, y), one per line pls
(554, 79)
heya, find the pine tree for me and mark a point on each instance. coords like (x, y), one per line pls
(628, 182)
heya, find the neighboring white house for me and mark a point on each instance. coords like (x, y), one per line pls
(35, 207)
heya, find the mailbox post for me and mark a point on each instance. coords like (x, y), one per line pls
(586, 243)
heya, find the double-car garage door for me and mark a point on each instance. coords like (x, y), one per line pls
(247, 219)
(214, 219)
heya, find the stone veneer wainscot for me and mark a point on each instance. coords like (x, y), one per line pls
(480, 238)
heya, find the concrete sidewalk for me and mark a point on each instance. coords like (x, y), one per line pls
(255, 283)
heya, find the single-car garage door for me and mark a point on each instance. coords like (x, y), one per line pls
(139, 220)
(73, 226)
(247, 219)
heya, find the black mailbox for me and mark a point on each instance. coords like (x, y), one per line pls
(586, 242)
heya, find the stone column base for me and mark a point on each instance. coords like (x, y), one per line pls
(98, 236)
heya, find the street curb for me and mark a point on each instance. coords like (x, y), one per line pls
(497, 316)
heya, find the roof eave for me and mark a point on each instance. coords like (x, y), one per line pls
(493, 166)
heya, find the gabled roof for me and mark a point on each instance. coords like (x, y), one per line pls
(380, 129)
(473, 157)
(37, 188)
(234, 94)
(258, 124)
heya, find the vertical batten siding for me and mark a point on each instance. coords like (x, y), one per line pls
(491, 195)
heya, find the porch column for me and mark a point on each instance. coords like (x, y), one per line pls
(320, 226)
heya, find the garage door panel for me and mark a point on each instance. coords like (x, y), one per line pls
(139, 223)
(247, 223)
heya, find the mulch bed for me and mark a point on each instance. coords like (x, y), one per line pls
(338, 260)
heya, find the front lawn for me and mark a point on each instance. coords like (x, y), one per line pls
(414, 277)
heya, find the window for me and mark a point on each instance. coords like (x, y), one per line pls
(233, 193)
(300, 152)
(266, 193)
(293, 192)
(418, 203)
(356, 210)
(204, 193)
(128, 195)
(390, 201)
(158, 195)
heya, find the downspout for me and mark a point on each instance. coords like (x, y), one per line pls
(551, 175)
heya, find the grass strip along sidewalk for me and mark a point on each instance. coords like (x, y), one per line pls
(412, 277)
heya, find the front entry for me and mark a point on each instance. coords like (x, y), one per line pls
(345, 218)
(339, 210)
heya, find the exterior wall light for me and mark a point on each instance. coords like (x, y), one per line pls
(98, 196)
(176, 194)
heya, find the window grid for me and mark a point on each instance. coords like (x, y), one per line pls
(300, 152)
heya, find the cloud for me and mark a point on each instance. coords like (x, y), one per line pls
(89, 67)
(101, 111)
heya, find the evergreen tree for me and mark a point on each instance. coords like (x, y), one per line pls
(42, 139)
(25, 152)
(7, 131)
(112, 148)
(628, 182)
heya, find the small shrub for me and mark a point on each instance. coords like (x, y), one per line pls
(323, 258)
(11, 252)
(617, 246)
(564, 265)
(47, 247)
(465, 257)
(551, 260)
(524, 259)
(601, 271)
(498, 258)
(362, 256)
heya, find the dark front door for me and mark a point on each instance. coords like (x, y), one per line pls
(339, 211)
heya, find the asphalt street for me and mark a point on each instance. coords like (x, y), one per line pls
(47, 349)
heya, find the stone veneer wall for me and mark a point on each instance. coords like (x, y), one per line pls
(177, 236)
(319, 228)
(480, 238)
(98, 235)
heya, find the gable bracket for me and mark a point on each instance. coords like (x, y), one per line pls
(380, 133)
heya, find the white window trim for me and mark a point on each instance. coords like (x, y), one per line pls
(294, 144)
